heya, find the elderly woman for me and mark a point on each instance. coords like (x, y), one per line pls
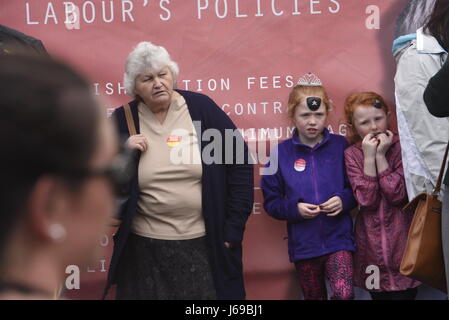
(58, 151)
(182, 227)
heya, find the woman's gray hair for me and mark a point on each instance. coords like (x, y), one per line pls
(414, 16)
(146, 57)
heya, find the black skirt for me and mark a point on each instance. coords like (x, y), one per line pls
(152, 269)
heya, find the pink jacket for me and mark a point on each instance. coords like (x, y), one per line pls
(381, 227)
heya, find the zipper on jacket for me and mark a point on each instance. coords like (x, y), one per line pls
(384, 249)
(316, 198)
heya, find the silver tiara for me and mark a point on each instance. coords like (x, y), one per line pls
(310, 80)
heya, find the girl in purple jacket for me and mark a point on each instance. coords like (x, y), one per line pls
(374, 168)
(311, 192)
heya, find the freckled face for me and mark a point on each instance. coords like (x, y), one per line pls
(368, 119)
(310, 124)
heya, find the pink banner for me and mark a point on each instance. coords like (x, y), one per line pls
(244, 54)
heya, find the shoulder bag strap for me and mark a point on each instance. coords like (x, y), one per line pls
(440, 176)
(129, 120)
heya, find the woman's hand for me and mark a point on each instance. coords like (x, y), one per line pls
(385, 141)
(369, 146)
(137, 141)
(308, 211)
(332, 207)
(229, 245)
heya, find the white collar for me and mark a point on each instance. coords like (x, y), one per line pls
(427, 44)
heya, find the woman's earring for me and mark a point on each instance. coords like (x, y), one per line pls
(57, 232)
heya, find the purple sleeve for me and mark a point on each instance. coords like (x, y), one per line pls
(346, 195)
(275, 202)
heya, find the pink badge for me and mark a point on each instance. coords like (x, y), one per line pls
(173, 140)
(300, 165)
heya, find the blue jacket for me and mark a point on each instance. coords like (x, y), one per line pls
(316, 178)
(227, 199)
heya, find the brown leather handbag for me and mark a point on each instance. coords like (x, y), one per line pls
(423, 256)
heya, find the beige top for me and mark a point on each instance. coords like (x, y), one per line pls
(169, 206)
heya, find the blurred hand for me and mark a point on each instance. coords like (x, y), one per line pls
(229, 245)
(308, 211)
(369, 146)
(332, 207)
(385, 141)
(137, 141)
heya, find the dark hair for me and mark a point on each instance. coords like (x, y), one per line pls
(48, 125)
(413, 17)
(438, 24)
(14, 42)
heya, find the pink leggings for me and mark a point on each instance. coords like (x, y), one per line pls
(336, 267)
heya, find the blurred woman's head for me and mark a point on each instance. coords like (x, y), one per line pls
(55, 202)
(413, 17)
(438, 24)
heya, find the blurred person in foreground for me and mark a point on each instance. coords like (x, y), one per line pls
(436, 97)
(182, 227)
(56, 170)
(13, 41)
(419, 55)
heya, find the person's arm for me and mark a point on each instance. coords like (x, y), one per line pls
(392, 183)
(240, 197)
(119, 122)
(239, 175)
(346, 195)
(275, 202)
(427, 132)
(436, 94)
(390, 173)
(365, 188)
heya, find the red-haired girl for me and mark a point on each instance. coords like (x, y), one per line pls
(374, 168)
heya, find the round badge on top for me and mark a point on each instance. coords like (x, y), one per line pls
(173, 140)
(300, 165)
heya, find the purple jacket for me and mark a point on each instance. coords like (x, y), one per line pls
(311, 175)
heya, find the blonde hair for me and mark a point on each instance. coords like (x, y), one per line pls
(300, 93)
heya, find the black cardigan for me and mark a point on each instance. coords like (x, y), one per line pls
(436, 97)
(227, 199)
